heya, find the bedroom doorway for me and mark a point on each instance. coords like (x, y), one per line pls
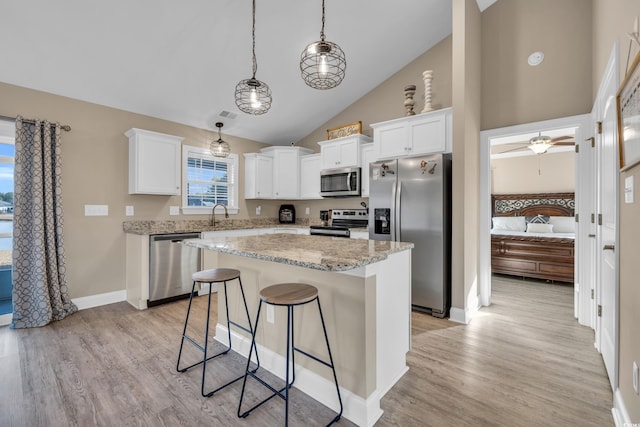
(515, 144)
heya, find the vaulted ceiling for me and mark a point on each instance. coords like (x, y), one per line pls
(181, 60)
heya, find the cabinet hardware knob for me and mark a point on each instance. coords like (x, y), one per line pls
(609, 248)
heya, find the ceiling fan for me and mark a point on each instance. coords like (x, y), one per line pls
(541, 143)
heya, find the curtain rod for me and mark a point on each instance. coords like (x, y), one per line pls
(63, 127)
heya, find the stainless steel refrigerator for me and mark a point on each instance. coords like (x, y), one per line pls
(410, 201)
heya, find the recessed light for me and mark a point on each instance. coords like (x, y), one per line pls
(535, 58)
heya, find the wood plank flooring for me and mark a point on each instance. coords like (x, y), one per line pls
(524, 361)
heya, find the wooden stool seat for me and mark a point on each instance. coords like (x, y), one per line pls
(215, 275)
(289, 294)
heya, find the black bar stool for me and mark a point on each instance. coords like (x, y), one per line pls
(288, 295)
(216, 275)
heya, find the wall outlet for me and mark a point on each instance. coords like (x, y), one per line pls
(174, 210)
(307, 211)
(628, 189)
(258, 210)
(635, 377)
(96, 210)
(271, 315)
(128, 210)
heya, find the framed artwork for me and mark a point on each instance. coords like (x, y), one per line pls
(345, 130)
(628, 105)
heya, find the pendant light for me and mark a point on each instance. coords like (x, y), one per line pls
(322, 63)
(219, 148)
(252, 95)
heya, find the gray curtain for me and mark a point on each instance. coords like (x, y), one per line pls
(39, 281)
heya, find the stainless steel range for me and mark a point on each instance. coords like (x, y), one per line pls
(341, 221)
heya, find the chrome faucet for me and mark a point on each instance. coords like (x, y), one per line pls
(213, 213)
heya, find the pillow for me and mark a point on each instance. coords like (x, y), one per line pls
(510, 223)
(538, 219)
(563, 224)
(539, 228)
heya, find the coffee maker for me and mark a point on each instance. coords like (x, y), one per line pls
(287, 214)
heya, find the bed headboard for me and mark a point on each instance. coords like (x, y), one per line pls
(550, 204)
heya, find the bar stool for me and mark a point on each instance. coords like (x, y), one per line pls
(289, 295)
(216, 275)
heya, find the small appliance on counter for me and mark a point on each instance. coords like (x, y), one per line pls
(287, 214)
(341, 221)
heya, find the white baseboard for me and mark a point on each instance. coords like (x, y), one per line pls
(362, 412)
(459, 315)
(82, 303)
(101, 299)
(5, 319)
(621, 417)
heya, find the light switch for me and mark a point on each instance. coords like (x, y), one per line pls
(174, 210)
(96, 210)
(628, 189)
(307, 211)
(128, 210)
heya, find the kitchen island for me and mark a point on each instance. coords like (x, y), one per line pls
(365, 291)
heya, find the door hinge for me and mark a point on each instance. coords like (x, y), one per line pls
(599, 219)
(577, 217)
(599, 128)
(593, 218)
(593, 293)
(599, 310)
(593, 141)
(577, 148)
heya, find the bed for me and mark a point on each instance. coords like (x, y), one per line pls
(533, 235)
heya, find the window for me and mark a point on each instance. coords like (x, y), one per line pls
(208, 180)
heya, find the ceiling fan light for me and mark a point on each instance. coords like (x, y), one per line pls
(539, 148)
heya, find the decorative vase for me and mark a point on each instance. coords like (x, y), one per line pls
(409, 91)
(427, 76)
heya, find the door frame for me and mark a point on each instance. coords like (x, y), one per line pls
(583, 126)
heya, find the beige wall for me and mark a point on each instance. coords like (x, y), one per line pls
(466, 153)
(386, 101)
(546, 173)
(611, 22)
(95, 168)
(514, 92)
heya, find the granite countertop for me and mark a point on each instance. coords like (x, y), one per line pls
(315, 252)
(190, 226)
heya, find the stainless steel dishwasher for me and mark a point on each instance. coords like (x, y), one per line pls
(171, 265)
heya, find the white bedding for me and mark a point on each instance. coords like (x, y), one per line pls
(525, 234)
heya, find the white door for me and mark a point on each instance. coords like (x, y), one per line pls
(608, 175)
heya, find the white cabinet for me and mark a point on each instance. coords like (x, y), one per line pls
(284, 180)
(154, 162)
(360, 235)
(258, 176)
(414, 135)
(342, 152)
(367, 156)
(310, 177)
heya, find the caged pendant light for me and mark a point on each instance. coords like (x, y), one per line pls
(322, 63)
(219, 148)
(252, 95)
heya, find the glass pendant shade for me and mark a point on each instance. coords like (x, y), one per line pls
(253, 96)
(219, 148)
(323, 65)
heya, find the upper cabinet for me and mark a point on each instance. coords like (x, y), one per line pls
(154, 162)
(413, 135)
(284, 177)
(310, 177)
(367, 156)
(258, 176)
(342, 152)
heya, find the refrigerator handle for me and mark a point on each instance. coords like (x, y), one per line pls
(398, 211)
(392, 214)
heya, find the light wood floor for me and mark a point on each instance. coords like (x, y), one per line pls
(524, 361)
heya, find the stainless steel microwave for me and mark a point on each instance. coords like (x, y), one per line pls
(342, 182)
